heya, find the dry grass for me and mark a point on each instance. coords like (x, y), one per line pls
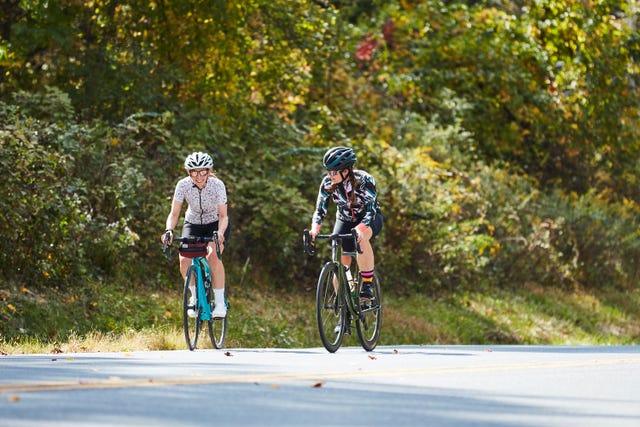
(280, 319)
(143, 340)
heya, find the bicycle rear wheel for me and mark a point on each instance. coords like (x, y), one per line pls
(217, 326)
(191, 324)
(330, 309)
(369, 320)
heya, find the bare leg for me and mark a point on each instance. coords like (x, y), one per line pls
(184, 265)
(217, 268)
(366, 261)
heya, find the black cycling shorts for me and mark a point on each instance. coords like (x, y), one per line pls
(345, 227)
(194, 250)
(204, 230)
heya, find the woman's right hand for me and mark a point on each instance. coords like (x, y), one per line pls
(314, 231)
(167, 235)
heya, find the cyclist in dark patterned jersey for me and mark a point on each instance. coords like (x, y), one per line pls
(355, 195)
(206, 198)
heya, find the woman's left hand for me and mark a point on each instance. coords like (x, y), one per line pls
(221, 242)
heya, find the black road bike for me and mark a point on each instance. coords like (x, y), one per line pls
(338, 300)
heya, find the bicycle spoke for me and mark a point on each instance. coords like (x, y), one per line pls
(329, 311)
(370, 318)
(191, 324)
(217, 326)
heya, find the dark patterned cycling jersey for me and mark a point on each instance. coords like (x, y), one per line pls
(362, 210)
(203, 203)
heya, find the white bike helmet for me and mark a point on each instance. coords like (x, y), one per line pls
(198, 160)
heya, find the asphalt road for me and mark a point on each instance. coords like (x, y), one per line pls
(393, 386)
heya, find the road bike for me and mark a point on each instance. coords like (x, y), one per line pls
(198, 273)
(338, 300)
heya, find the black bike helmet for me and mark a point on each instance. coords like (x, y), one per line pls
(339, 158)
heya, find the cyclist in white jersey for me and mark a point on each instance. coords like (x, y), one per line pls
(206, 198)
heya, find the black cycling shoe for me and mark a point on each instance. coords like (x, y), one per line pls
(366, 291)
(347, 328)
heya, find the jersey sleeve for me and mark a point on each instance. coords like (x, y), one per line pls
(179, 193)
(322, 202)
(221, 192)
(370, 196)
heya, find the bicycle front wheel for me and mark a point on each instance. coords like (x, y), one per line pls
(217, 326)
(369, 319)
(330, 308)
(190, 308)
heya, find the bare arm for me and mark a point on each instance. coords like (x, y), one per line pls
(172, 219)
(223, 223)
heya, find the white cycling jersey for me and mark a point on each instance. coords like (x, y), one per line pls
(202, 203)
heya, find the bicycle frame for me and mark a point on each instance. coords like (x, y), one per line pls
(202, 269)
(337, 302)
(203, 274)
(343, 291)
(199, 275)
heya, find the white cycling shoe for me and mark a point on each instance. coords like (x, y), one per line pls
(219, 311)
(191, 311)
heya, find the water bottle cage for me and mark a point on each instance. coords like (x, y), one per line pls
(350, 280)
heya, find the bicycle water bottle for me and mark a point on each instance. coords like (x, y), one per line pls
(352, 283)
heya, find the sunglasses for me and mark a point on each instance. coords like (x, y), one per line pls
(333, 173)
(202, 172)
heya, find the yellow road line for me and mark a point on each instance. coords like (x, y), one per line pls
(280, 377)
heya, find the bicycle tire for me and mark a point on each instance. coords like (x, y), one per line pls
(217, 326)
(330, 309)
(369, 319)
(191, 324)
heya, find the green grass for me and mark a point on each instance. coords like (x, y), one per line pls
(114, 318)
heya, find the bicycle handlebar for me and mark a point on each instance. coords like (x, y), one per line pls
(310, 247)
(166, 248)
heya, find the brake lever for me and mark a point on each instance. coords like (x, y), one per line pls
(215, 239)
(309, 246)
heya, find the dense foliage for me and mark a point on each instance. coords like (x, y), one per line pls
(503, 136)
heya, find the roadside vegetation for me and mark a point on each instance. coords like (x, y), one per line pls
(503, 136)
(152, 320)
